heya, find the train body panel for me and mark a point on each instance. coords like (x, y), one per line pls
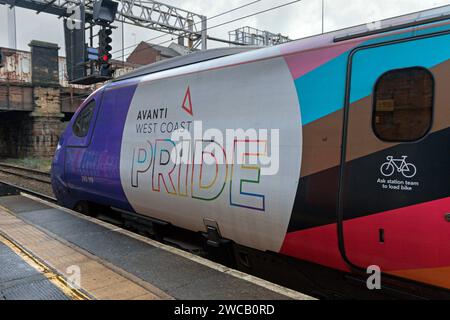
(344, 195)
(369, 196)
(250, 204)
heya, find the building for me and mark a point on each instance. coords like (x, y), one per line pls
(147, 53)
(36, 99)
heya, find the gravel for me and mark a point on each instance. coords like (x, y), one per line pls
(33, 185)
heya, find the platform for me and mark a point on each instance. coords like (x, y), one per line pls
(49, 252)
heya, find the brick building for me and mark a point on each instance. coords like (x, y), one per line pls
(146, 53)
(36, 99)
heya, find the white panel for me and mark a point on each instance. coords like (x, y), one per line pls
(258, 95)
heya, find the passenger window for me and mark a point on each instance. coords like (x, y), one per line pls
(82, 122)
(403, 104)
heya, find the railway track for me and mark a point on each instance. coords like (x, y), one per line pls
(27, 173)
(7, 188)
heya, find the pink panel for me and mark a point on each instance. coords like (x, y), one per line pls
(415, 237)
(306, 61)
(318, 245)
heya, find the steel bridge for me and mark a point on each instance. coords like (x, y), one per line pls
(143, 13)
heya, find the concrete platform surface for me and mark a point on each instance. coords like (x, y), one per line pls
(55, 253)
(19, 280)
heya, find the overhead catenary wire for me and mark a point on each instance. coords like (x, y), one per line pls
(221, 24)
(216, 26)
(224, 23)
(207, 19)
(122, 50)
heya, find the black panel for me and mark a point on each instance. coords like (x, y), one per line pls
(316, 199)
(44, 63)
(75, 49)
(363, 195)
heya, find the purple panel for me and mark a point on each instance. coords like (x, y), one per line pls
(102, 158)
(93, 172)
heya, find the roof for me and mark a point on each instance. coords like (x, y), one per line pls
(164, 51)
(377, 29)
(184, 60)
(180, 49)
(395, 23)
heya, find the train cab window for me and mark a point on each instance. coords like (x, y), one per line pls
(403, 104)
(82, 122)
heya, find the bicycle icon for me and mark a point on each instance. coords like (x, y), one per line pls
(388, 168)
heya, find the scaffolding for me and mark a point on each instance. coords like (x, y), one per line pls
(143, 13)
(255, 37)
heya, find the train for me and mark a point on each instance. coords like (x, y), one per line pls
(327, 155)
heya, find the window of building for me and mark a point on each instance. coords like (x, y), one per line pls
(82, 122)
(403, 104)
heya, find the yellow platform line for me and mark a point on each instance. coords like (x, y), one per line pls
(34, 262)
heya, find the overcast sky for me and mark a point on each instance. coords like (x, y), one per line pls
(296, 20)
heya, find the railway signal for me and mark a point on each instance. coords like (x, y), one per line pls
(88, 63)
(105, 48)
(104, 14)
(104, 51)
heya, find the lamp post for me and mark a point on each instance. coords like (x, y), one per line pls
(11, 18)
(323, 16)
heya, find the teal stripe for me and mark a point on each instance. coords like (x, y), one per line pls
(369, 65)
(322, 90)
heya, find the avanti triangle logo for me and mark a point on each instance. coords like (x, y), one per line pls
(187, 102)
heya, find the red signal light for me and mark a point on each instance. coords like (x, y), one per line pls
(105, 58)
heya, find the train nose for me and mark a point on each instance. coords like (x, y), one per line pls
(57, 175)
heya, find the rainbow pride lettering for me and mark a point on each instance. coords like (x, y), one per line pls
(200, 169)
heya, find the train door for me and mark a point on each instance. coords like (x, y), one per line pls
(77, 160)
(395, 190)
